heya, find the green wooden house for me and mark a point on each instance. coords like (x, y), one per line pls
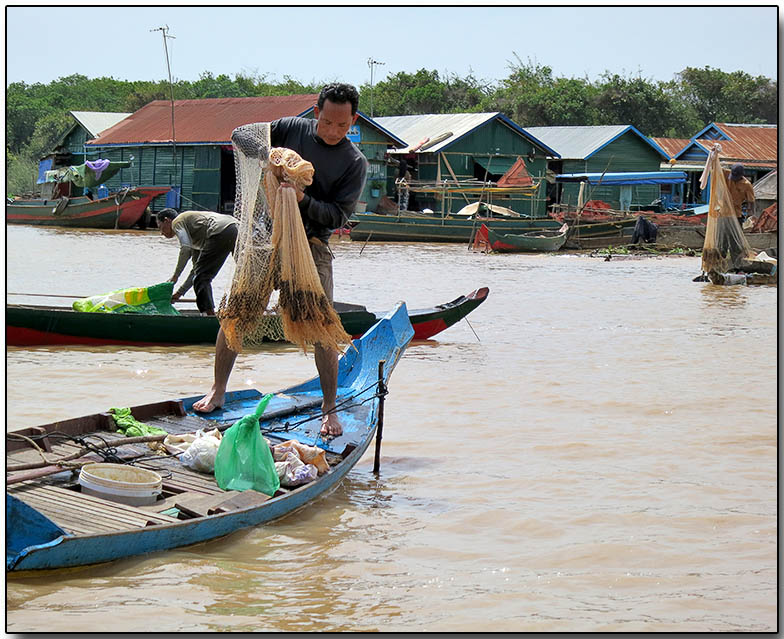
(468, 149)
(601, 149)
(188, 146)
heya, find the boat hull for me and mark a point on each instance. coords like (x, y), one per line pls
(44, 326)
(116, 211)
(532, 242)
(427, 228)
(361, 370)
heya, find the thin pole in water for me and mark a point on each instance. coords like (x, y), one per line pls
(380, 427)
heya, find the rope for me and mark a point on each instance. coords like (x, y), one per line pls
(289, 425)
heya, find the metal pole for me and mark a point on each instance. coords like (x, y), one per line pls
(380, 426)
(165, 32)
(372, 62)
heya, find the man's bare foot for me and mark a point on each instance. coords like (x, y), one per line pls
(330, 425)
(210, 402)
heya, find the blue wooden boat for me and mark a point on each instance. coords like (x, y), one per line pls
(52, 523)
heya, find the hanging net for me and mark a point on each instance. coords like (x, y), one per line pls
(273, 253)
(725, 245)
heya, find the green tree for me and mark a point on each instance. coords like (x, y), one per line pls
(422, 92)
(645, 104)
(717, 96)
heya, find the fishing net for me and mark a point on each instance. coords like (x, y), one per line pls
(272, 252)
(725, 245)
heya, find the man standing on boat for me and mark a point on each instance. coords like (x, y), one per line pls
(325, 205)
(206, 237)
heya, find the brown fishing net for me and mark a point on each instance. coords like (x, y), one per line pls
(725, 245)
(272, 252)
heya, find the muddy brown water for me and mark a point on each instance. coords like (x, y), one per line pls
(594, 450)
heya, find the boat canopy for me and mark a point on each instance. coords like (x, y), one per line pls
(89, 174)
(607, 179)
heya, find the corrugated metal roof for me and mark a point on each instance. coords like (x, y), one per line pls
(672, 146)
(628, 177)
(206, 121)
(577, 142)
(767, 187)
(749, 144)
(416, 129)
(757, 143)
(413, 129)
(96, 121)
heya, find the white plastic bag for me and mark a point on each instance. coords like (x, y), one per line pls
(200, 455)
(292, 471)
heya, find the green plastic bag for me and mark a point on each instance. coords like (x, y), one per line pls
(150, 300)
(244, 460)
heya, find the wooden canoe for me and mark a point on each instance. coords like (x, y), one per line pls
(51, 523)
(436, 228)
(118, 210)
(51, 325)
(532, 242)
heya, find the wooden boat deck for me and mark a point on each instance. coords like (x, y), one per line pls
(80, 514)
(192, 493)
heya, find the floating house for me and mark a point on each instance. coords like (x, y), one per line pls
(187, 145)
(601, 149)
(457, 158)
(753, 145)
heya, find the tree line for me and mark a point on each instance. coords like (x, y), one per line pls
(531, 95)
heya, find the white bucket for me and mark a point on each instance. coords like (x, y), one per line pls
(121, 483)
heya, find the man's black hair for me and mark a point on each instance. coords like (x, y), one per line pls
(166, 214)
(339, 93)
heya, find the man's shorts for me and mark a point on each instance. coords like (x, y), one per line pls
(322, 257)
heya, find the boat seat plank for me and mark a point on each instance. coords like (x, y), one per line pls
(77, 512)
(90, 504)
(64, 503)
(201, 506)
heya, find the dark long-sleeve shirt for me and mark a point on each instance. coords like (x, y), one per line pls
(340, 172)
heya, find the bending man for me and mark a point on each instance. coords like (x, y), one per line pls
(206, 237)
(325, 205)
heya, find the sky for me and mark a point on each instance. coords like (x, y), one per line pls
(321, 44)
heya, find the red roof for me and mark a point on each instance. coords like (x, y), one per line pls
(753, 145)
(210, 120)
(672, 146)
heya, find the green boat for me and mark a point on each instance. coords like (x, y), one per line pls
(540, 241)
(49, 325)
(411, 227)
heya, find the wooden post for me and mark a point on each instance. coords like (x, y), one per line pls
(380, 427)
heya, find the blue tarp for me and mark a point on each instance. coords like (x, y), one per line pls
(615, 179)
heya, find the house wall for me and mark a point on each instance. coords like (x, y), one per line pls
(497, 140)
(373, 144)
(74, 144)
(201, 170)
(153, 165)
(627, 153)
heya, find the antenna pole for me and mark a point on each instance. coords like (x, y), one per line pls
(371, 63)
(165, 33)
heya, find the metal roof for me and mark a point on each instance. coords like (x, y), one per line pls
(201, 121)
(416, 130)
(750, 144)
(767, 187)
(581, 142)
(672, 146)
(96, 121)
(758, 143)
(629, 177)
